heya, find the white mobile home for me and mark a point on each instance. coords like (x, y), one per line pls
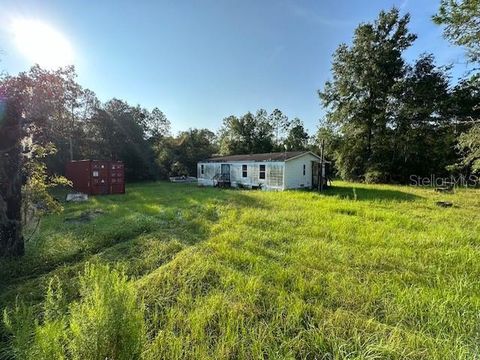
(270, 171)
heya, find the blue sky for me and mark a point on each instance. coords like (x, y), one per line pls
(200, 61)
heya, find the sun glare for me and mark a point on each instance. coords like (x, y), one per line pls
(42, 44)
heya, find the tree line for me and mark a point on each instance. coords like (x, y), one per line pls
(76, 125)
(386, 119)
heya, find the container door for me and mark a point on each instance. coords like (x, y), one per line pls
(99, 173)
(117, 181)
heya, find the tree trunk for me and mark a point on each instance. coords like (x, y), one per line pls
(70, 147)
(11, 238)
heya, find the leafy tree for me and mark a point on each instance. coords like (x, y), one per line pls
(119, 133)
(328, 138)
(359, 98)
(462, 24)
(469, 144)
(156, 124)
(246, 135)
(61, 103)
(464, 102)
(297, 138)
(280, 125)
(164, 150)
(465, 109)
(192, 146)
(462, 27)
(177, 156)
(422, 135)
(262, 139)
(25, 130)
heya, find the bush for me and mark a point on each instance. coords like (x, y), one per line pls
(106, 323)
(375, 177)
(18, 322)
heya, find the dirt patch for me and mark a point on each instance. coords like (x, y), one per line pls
(350, 212)
(84, 217)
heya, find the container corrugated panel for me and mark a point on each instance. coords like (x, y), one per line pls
(97, 177)
(78, 172)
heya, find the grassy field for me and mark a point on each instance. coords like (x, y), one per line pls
(359, 272)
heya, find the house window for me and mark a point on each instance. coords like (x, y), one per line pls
(244, 171)
(304, 168)
(202, 169)
(95, 174)
(261, 174)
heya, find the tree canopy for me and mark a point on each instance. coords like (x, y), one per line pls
(360, 97)
(461, 21)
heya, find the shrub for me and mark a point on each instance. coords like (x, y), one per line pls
(18, 322)
(32, 340)
(375, 177)
(106, 323)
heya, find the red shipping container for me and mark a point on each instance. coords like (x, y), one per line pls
(117, 177)
(97, 177)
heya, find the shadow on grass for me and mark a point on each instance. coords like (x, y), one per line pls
(352, 192)
(166, 211)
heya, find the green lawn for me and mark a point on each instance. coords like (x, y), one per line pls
(359, 272)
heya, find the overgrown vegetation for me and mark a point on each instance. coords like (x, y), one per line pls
(178, 272)
(361, 271)
(106, 323)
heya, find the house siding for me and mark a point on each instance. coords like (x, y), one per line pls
(294, 178)
(274, 171)
(279, 175)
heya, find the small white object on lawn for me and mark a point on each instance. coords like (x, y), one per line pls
(77, 197)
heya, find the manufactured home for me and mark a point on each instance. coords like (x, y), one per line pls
(269, 171)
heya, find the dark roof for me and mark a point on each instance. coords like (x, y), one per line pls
(277, 156)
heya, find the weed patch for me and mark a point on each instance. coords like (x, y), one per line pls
(359, 271)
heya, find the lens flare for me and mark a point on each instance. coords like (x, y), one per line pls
(40, 43)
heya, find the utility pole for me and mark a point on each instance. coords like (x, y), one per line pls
(322, 151)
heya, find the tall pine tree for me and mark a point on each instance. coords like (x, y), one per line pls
(360, 97)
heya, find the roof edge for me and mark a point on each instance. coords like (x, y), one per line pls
(302, 154)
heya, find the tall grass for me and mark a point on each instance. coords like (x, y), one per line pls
(357, 272)
(107, 322)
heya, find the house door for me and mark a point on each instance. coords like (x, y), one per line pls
(225, 170)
